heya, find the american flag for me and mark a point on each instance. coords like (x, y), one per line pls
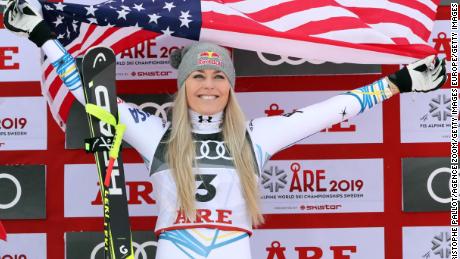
(77, 37)
(352, 31)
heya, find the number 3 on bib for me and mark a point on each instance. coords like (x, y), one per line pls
(209, 189)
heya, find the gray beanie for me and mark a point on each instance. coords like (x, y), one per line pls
(202, 55)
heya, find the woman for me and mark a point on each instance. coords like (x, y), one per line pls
(206, 162)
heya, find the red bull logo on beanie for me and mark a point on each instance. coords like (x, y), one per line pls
(210, 58)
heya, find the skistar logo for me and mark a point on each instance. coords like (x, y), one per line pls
(138, 193)
(6, 58)
(151, 73)
(344, 126)
(277, 251)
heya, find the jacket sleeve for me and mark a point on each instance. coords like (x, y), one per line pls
(272, 134)
(143, 131)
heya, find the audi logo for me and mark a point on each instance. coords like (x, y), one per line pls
(288, 60)
(18, 191)
(160, 110)
(205, 150)
(139, 249)
(429, 185)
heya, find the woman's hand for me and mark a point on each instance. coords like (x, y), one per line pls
(23, 20)
(425, 75)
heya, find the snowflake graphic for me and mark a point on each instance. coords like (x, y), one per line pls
(440, 107)
(274, 179)
(441, 245)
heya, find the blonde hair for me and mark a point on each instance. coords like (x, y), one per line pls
(181, 155)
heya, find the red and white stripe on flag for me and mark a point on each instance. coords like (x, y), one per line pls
(59, 97)
(341, 31)
(370, 31)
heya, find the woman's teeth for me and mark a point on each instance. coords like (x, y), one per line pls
(208, 97)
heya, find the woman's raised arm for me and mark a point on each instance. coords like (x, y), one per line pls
(23, 20)
(272, 134)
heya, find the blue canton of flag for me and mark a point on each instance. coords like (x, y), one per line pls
(173, 18)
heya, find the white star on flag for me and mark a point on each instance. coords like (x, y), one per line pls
(184, 22)
(184, 18)
(122, 14)
(167, 32)
(154, 18)
(139, 7)
(92, 20)
(58, 20)
(169, 6)
(60, 6)
(185, 14)
(91, 10)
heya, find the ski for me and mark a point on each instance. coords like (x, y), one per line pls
(98, 74)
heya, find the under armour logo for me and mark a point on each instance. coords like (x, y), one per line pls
(201, 119)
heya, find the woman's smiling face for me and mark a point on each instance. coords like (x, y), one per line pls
(207, 91)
